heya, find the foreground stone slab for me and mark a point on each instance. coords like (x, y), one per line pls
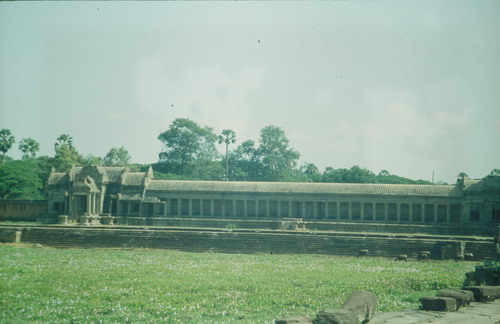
(461, 298)
(484, 293)
(336, 316)
(440, 304)
(362, 303)
(294, 320)
(476, 313)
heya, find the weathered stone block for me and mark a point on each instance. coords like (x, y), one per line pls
(469, 294)
(10, 236)
(362, 303)
(336, 316)
(461, 298)
(294, 320)
(484, 293)
(440, 304)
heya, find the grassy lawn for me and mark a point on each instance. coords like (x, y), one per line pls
(130, 286)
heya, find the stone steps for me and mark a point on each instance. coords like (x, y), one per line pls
(249, 242)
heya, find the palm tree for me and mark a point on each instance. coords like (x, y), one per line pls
(29, 147)
(6, 142)
(229, 137)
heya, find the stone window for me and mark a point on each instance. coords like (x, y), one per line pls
(136, 207)
(441, 213)
(404, 211)
(429, 213)
(207, 207)
(332, 210)
(417, 213)
(251, 208)
(284, 209)
(217, 208)
(356, 211)
(321, 209)
(174, 207)
(160, 210)
(380, 212)
(392, 212)
(455, 211)
(495, 213)
(344, 210)
(262, 208)
(195, 205)
(368, 210)
(474, 215)
(228, 208)
(309, 209)
(296, 209)
(273, 208)
(185, 207)
(240, 208)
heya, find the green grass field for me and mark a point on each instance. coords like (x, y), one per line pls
(143, 286)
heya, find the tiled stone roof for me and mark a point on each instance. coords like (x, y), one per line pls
(58, 178)
(306, 188)
(134, 179)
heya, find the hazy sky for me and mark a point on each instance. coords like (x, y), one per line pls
(406, 86)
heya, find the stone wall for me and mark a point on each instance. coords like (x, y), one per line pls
(22, 210)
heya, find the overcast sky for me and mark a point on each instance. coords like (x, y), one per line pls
(406, 86)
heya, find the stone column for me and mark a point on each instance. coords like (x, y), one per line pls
(268, 209)
(337, 206)
(304, 210)
(327, 210)
(386, 212)
(290, 210)
(212, 208)
(223, 208)
(447, 213)
(349, 211)
(435, 213)
(315, 210)
(410, 211)
(190, 207)
(362, 211)
(202, 209)
(235, 212)
(398, 212)
(245, 208)
(89, 202)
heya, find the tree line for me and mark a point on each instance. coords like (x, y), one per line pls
(189, 153)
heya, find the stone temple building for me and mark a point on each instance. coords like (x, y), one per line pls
(87, 194)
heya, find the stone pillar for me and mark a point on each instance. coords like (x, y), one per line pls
(190, 207)
(89, 201)
(212, 208)
(290, 210)
(447, 213)
(235, 212)
(304, 210)
(202, 209)
(179, 207)
(245, 208)
(337, 206)
(268, 209)
(398, 212)
(410, 211)
(362, 211)
(349, 211)
(327, 210)
(386, 212)
(315, 210)
(223, 208)
(435, 213)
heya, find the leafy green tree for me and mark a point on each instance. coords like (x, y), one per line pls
(66, 155)
(277, 158)
(21, 180)
(245, 162)
(353, 175)
(495, 173)
(29, 147)
(228, 137)
(6, 142)
(91, 160)
(310, 170)
(117, 157)
(185, 144)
